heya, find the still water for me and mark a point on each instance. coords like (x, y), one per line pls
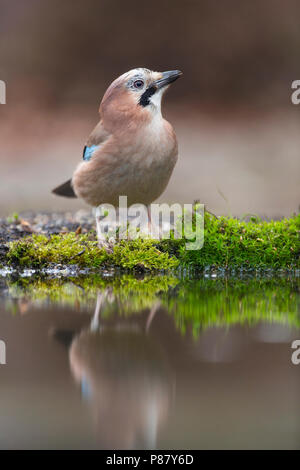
(152, 362)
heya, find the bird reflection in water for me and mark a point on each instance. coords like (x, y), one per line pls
(124, 375)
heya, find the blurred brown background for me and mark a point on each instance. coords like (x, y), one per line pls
(238, 131)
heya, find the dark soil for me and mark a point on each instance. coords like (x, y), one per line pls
(44, 222)
(14, 228)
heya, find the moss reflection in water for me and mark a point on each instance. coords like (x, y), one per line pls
(206, 303)
(195, 304)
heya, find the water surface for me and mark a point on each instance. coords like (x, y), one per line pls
(152, 362)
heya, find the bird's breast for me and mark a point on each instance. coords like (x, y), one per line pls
(138, 165)
(156, 141)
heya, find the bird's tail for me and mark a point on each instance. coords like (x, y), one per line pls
(65, 189)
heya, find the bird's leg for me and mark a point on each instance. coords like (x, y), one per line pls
(149, 221)
(153, 228)
(151, 315)
(95, 319)
(100, 235)
(102, 242)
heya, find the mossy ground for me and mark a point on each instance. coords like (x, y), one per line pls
(228, 242)
(40, 250)
(257, 243)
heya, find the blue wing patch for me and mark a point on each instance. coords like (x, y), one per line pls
(88, 152)
(86, 389)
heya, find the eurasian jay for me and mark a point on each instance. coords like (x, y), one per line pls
(132, 151)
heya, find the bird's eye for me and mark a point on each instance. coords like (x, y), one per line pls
(138, 84)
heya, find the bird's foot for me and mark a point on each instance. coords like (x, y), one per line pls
(107, 245)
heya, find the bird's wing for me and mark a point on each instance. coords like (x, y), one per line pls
(97, 137)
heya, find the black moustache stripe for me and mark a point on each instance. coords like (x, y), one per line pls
(145, 98)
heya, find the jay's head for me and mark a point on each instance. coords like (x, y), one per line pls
(136, 94)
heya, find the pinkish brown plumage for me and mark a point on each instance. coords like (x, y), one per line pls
(133, 149)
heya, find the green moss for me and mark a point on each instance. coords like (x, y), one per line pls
(13, 218)
(228, 242)
(39, 250)
(236, 243)
(142, 253)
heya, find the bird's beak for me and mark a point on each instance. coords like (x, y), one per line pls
(167, 78)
